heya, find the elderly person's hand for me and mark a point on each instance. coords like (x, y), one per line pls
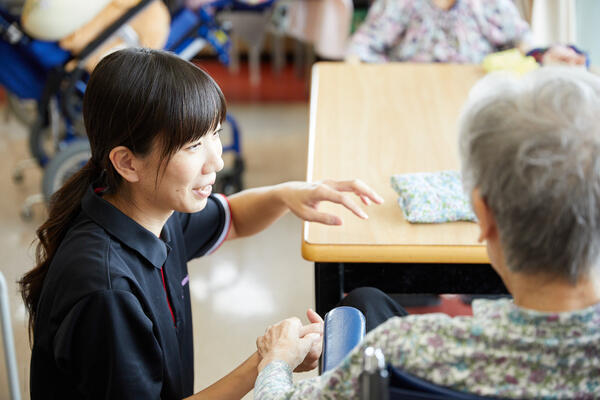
(560, 54)
(311, 361)
(303, 198)
(289, 341)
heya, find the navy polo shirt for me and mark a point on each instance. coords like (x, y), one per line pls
(104, 328)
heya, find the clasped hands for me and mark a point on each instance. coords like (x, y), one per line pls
(290, 341)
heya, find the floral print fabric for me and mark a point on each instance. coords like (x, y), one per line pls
(432, 197)
(417, 30)
(502, 350)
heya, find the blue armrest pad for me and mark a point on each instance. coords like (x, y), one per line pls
(344, 329)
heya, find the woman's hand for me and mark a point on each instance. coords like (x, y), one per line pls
(303, 198)
(289, 341)
(311, 361)
(560, 54)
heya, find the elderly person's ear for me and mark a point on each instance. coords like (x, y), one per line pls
(485, 218)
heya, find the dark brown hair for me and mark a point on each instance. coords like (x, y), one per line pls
(134, 98)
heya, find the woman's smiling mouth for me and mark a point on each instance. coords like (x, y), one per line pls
(203, 191)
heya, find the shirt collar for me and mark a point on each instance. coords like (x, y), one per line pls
(506, 309)
(125, 229)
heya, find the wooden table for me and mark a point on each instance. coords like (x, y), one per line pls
(370, 122)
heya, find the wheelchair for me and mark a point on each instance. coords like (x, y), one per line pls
(344, 330)
(42, 73)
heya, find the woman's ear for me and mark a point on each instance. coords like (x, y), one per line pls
(125, 163)
(485, 219)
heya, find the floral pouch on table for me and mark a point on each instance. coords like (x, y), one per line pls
(432, 197)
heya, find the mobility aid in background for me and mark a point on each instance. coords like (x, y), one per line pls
(39, 71)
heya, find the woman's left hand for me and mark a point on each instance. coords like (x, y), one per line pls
(303, 198)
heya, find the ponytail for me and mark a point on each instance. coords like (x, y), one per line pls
(65, 205)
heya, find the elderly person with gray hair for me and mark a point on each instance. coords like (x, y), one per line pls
(530, 151)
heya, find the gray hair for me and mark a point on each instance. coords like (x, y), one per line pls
(532, 148)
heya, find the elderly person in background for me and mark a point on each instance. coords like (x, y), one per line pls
(457, 31)
(530, 152)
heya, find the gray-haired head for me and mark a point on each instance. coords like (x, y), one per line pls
(532, 148)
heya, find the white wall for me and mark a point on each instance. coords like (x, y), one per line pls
(587, 36)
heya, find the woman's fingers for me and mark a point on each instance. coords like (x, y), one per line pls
(312, 215)
(311, 328)
(358, 187)
(341, 198)
(325, 193)
(303, 199)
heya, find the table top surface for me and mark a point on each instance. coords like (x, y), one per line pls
(370, 121)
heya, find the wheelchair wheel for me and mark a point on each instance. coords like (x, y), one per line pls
(46, 139)
(54, 129)
(63, 165)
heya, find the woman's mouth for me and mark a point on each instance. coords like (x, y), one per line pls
(203, 192)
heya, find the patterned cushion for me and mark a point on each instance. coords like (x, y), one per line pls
(432, 197)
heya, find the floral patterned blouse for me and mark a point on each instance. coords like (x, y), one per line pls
(419, 31)
(502, 350)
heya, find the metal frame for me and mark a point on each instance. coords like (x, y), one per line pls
(9, 345)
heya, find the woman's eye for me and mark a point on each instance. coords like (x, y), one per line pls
(217, 133)
(195, 146)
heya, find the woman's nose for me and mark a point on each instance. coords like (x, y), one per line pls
(214, 162)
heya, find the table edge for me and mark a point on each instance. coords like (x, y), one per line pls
(446, 254)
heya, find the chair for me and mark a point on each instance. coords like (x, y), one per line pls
(249, 23)
(9, 346)
(345, 329)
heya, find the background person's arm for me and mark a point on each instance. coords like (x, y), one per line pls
(385, 23)
(503, 26)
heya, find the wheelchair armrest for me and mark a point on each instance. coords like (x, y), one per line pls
(344, 329)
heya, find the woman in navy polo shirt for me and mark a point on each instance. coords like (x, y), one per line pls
(109, 299)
